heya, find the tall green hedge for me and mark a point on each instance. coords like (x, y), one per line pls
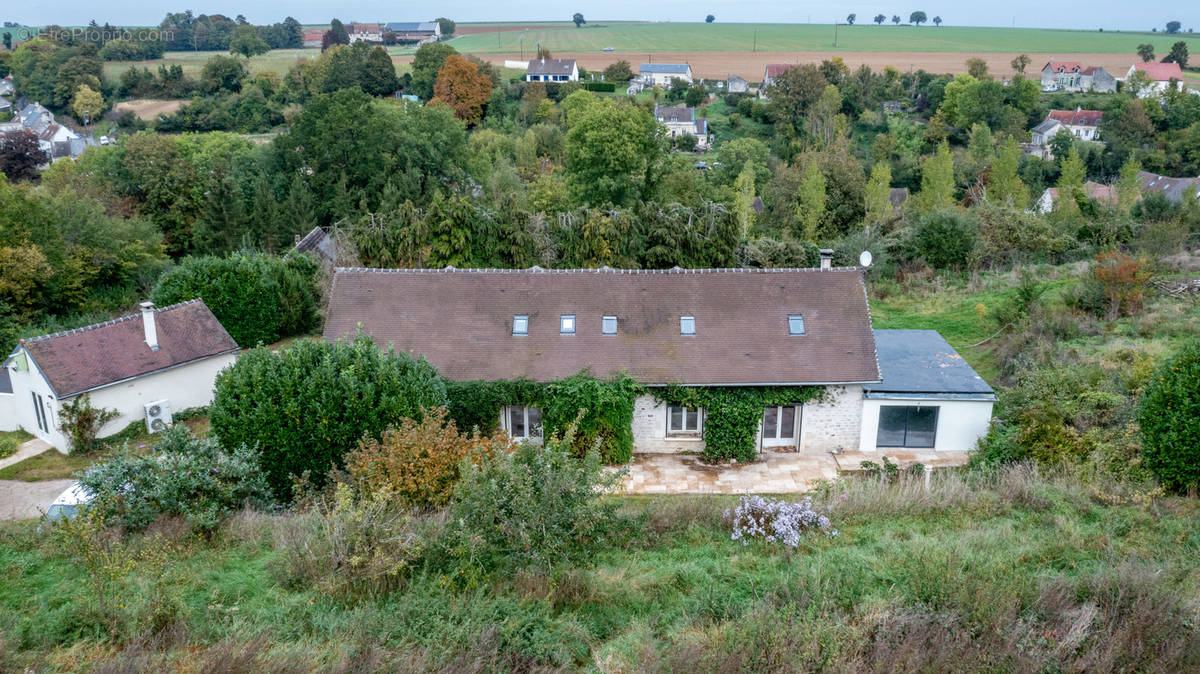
(304, 407)
(1169, 416)
(608, 405)
(732, 414)
(259, 298)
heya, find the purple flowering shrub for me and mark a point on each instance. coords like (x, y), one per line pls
(775, 521)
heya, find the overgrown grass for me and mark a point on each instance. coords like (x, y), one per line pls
(54, 465)
(1004, 571)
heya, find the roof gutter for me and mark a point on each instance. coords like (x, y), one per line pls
(147, 374)
(771, 383)
(884, 395)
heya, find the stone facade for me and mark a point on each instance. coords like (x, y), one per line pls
(834, 424)
(650, 430)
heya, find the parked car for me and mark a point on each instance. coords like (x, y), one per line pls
(104, 140)
(608, 49)
(67, 504)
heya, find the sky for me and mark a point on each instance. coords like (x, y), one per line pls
(1107, 14)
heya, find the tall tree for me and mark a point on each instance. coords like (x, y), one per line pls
(1146, 51)
(1020, 63)
(896, 19)
(1178, 54)
(21, 155)
(461, 86)
(917, 18)
(1173, 27)
(937, 21)
(337, 34)
(246, 42)
(810, 209)
(613, 151)
(850, 18)
(88, 104)
(794, 91)
(428, 60)
(977, 68)
(743, 189)
(879, 19)
(877, 197)
(578, 19)
(1129, 188)
(1070, 180)
(710, 18)
(1004, 183)
(447, 27)
(937, 180)
(378, 75)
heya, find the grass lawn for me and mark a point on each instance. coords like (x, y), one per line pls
(49, 465)
(728, 37)
(1013, 572)
(278, 61)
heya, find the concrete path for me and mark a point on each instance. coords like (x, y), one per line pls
(772, 473)
(27, 449)
(852, 461)
(26, 500)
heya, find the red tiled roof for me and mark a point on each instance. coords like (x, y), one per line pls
(1063, 66)
(1077, 117)
(461, 322)
(87, 358)
(1160, 72)
(777, 69)
(1093, 190)
(364, 28)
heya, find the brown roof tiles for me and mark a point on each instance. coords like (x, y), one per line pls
(461, 322)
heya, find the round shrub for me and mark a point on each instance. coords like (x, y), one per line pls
(259, 298)
(307, 405)
(945, 238)
(1169, 415)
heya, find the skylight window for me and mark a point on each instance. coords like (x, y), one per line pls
(687, 325)
(520, 325)
(609, 325)
(566, 324)
(795, 324)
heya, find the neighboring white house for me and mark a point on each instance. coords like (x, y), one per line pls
(153, 362)
(1074, 76)
(714, 327)
(771, 71)
(552, 70)
(736, 85)
(1081, 124)
(662, 74)
(1153, 78)
(681, 121)
(365, 32)
(930, 398)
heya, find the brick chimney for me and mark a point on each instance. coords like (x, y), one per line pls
(148, 325)
(826, 258)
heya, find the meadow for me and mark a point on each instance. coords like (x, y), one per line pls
(745, 37)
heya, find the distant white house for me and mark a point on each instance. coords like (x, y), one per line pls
(1104, 194)
(365, 32)
(772, 71)
(736, 85)
(1156, 77)
(142, 365)
(681, 121)
(552, 70)
(54, 139)
(420, 32)
(662, 74)
(1074, 76)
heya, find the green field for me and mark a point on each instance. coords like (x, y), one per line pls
(276, 61)
(728, 37)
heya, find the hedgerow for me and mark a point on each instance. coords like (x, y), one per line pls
(309, 404)
(732, 413)
(1169, 416)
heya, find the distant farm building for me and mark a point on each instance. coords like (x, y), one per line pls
(1074, 76)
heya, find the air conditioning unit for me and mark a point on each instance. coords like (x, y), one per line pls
(158, 416)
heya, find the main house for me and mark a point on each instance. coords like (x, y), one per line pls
(663, 74)
(142, 366)
(881, 390)
(552, 70)
(682, 121)
(1074, 76)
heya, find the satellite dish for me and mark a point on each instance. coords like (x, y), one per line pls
(865, 258)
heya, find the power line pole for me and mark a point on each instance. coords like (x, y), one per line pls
(755, 48)
(835, 24)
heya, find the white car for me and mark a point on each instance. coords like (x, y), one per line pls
(608, 49)
(67, 504)
(104, 140)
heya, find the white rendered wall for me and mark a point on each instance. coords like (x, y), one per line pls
(960, 424)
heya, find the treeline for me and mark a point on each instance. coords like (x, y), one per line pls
(185, 31)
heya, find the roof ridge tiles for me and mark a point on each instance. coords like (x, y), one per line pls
(103, 324)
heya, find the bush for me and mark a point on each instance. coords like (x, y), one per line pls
(1169, 415)
(686, 142)
(8, 446)
(309, 404)
(418, 462)
(534, 507)
(259, 298)
(81, 422)
(1123, 279)
(775, 521)
(608, 87)
(945, 238)
(186, 476)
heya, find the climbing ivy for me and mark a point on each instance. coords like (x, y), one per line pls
(607, 423)
(732, 413)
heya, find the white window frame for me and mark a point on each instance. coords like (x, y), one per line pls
(562, 324)
(682, 321)
(523, 318)
(799, 317)
(780, 440)
(604, 320)
(685, 431)
(536, 433)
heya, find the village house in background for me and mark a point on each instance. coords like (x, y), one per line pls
(771, 71)
(681, 121)
(55, 139)
(1174, 189)
(1081, 124)
(143, 366)
(1074, 76)
(365, 32)
(552, 70)
(1104, 194)
(882, 391)
(312, 37)
(419, 32)
(1158, 77)
(736, 85)
(662, 74)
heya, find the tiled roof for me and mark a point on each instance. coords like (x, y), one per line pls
(920, 361)
(674, 68)
(1063, 66)
(680, 113)
(368, 28)
(1094, 191)
(411, 26)
(1077, 117)
(1046, 125)
(1171, 188)
(461, 322)
(1160, 72)
(777, 69)
(83, 359)
(550, 67)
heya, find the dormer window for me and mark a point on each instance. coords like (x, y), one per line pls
(608, 325)
(687, 326)
(566, 324)
(520, 325)
(795, 325)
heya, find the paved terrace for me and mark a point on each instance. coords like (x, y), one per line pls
(773, 473)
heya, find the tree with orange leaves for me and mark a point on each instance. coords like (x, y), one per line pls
(461, 86)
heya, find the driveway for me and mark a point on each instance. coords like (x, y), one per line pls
(26, 450)
(772, 473)
(25, 500)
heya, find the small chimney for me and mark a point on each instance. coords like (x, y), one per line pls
(826, 258)
(148, 325)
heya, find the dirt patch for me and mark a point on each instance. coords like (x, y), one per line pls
(148, 110)
(750, 65)
(25, 500)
